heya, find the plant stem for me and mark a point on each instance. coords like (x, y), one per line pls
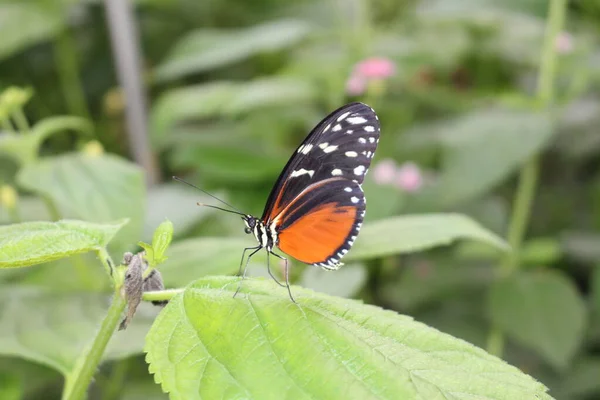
(68, 74)
(528, 176)
(84, 376)
(160, 295)
(21, 121)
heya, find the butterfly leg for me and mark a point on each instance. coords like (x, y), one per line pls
(256, 249)
(287, 275)
(269, 268)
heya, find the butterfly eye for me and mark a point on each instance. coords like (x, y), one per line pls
(247, 230)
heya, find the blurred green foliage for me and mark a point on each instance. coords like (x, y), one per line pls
(233, 87)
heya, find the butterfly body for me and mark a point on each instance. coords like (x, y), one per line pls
(316, 207)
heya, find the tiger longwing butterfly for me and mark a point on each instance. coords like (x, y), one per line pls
(317, 205)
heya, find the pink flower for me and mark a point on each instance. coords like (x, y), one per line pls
(356, 85)
(409, 177)
(564, 43)
(385, 172)
(375, 68)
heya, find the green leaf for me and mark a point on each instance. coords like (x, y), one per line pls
(23, 24)
(208, 49)
(260, 345)
(541, 310)
(223, 99)
(581, 381)
(10, 387)
(471, 143)
(155, 253)
(32, 243)
(345, 282)
(412, 233)
(97, 189)
(53, 328)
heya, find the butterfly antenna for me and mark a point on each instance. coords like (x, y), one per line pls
(214, 197)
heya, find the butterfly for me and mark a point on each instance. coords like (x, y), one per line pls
(316, 207)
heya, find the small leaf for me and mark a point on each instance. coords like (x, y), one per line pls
(54, 328)
(97, 189)
(412, 233)
(260, 345)
(204, 50)
(32, 243)
(541, 310)
(155, 253)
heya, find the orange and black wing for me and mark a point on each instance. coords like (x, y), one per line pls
(317, 205)
(321, 224)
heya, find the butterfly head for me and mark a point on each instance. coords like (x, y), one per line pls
(250, 222)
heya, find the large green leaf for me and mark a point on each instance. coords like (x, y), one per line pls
(223, 99)
(260, 345)
(471, 145)
(23, 24)
(54, 328)
(208, 49)
(411, 233)
(32, 243)
(92, 188)
(541, 310)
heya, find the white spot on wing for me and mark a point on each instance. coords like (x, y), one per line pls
(344, 115)
(371, 140)
(354, 199)
(329, 149)
(324, 145)
(356, 120)
(351, 154)
(369, 128)
(359, 170)
(347, 189)
(337, 127)
(336, 172)
(362, 140)
(349, 131)
(301, 172)
(306, 149)
(327, 128)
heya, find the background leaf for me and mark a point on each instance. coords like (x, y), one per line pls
(97, 189)
(322, 348)
(411, 233)
(32, 243)
(541, 310)
(203, 50)
(23, 24)
(53, 328)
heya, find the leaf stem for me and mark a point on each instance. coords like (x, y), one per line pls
(21, 121)
(160, 295)
(528, 175)
(85, 374)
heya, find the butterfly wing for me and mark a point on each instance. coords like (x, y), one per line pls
(321, 224)
(317, 205)
(341, 145)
